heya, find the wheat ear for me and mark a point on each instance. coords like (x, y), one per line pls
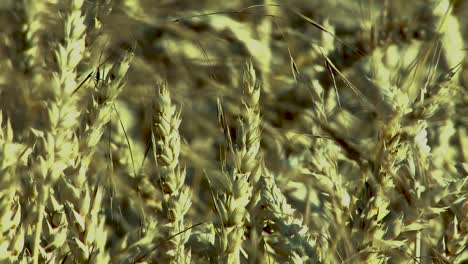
(243, 171)
(81, 193)
(58, 142)
(12, 155)
(176, 196)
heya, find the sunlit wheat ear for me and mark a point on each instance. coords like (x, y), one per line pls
(400, 145)
(285, 234)
(249, 153)
(242, 172)
(12, 155)
(170, 180)
(79, 191)
(58, 148)
(101, 105)
(250, 125)
(87, 235)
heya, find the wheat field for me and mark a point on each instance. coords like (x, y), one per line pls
(139, 131)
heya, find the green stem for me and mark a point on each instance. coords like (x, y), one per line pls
(43, 195)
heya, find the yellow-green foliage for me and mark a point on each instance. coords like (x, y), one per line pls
(303, 131)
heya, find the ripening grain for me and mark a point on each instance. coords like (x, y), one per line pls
(137, 131)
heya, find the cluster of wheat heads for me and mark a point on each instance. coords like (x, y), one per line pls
(279, 134)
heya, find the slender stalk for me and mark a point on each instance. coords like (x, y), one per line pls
(43, 196)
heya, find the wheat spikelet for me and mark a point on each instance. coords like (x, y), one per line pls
(58, 148)
(400, 172)
(374, 194)
(288, 236)
(249, 136)
(334, 198)
(88, 237)
(100, 107)
(176, 196)
(242, 175)
(12, 155)
(79, 195)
